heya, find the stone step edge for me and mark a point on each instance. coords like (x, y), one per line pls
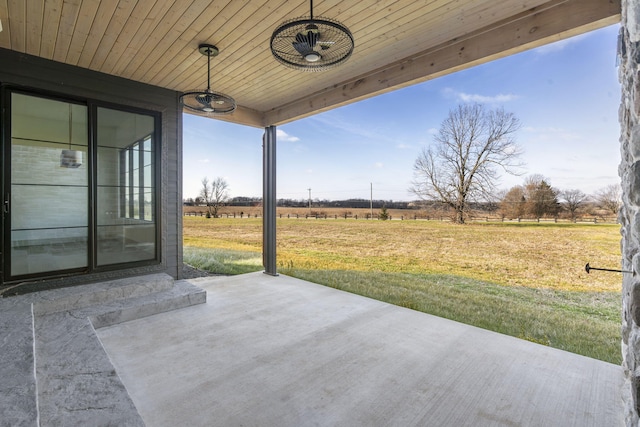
(77, 383)
(18, 401)
(78, 297)
(181, 295)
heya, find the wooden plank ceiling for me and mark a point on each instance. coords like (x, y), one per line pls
(397, 43)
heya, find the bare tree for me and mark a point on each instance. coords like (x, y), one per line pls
(214, 195)
(472, 145)
(573, 200)
(609, 198)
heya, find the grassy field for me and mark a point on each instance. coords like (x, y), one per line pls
(525, 280)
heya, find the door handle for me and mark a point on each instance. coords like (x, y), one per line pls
(6, 207)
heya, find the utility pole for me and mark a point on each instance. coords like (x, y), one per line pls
(309, 200)
(371, 200)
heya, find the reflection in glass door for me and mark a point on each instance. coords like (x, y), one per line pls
(49, 187)
(125, 215)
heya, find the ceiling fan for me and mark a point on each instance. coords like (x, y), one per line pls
(207, 101)
(311, 44)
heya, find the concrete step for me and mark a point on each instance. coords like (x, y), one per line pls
(182, 294)
(69, 379)
(76, 297)
(77, 384)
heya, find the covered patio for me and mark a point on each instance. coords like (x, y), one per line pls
(278, 351)
(264, 349)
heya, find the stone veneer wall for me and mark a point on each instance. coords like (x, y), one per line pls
(629, 75)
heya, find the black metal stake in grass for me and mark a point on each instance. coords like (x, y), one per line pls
(588, 268)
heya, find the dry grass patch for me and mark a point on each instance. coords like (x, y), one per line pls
(532, 255)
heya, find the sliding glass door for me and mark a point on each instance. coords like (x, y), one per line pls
(126, 220)
(49, 186)
(80, 187)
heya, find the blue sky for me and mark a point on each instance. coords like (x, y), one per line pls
(566, 96)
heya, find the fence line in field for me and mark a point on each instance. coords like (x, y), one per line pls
(414, 217)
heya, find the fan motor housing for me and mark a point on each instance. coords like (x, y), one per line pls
(311, 44)
(208, 49)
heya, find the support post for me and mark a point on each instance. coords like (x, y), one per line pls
(269, 201)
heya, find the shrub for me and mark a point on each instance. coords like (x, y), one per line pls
(383, 215)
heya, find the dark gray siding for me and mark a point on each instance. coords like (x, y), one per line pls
(44, 75)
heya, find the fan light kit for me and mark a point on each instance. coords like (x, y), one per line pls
(207, 101)
(70, 158)
(311, 44)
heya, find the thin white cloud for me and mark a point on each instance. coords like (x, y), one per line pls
(203, 161)
(495, 99)
(542, 130)
(510, 149)
(378, 165)
(366, 132)
(283, 136)
(552, 134)
(559, 45)
(476, 97)
(402, 146)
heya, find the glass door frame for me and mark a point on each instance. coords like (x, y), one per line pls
(6, 276)
(3, 194)
(157, 179)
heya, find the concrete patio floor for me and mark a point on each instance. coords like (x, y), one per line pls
(277, 351)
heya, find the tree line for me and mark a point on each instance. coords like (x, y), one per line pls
(536, 198)
(462, 166)
(303, 203)
(459, 173)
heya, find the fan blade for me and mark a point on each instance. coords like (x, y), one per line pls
(306, 41)
(208, 99)
(302, 47)
(325, 45)
(205, 99)
(301, 38)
